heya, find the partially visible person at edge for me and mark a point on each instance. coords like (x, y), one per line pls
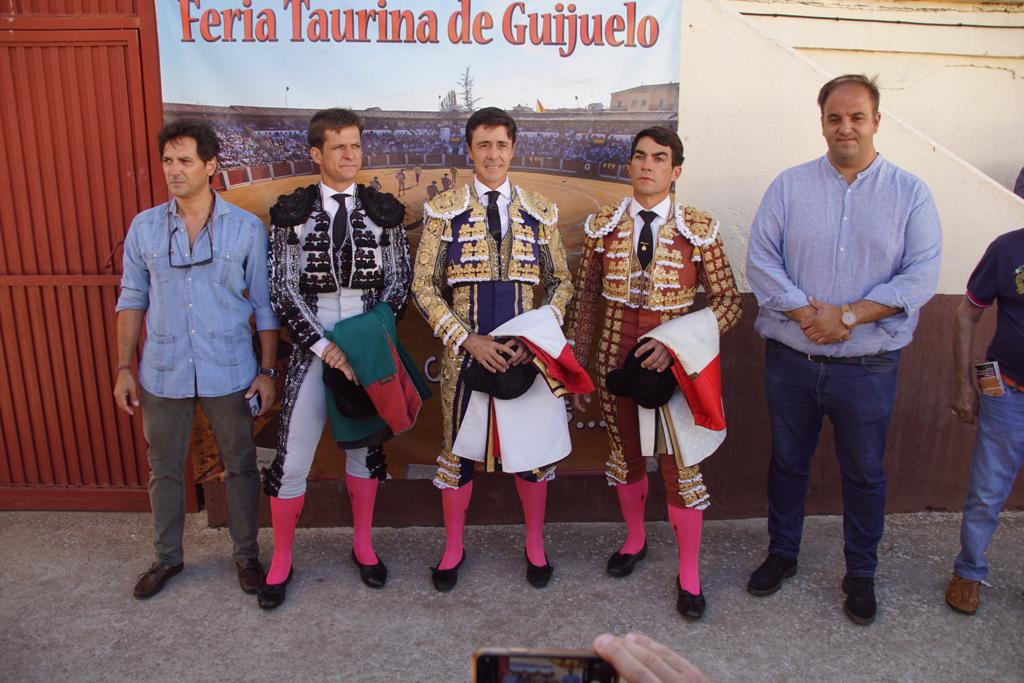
(844, 251)
(483, 249)
(195, 271)
(337, 249)
(999, 445)
(646, 256)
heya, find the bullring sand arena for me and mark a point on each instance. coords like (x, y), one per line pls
(413, 453)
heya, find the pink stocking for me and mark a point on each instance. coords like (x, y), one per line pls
(686, 522)
(361, 494)
(454, 503)
(631, 500)
(284, 514)
(533, 496)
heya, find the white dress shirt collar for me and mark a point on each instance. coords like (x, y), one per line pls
(662, 208)
(481, 191)
(330, 203)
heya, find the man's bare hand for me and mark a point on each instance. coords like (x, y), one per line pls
(964, 403)
(126, 392)
(580, 403)
(522, 354)
(335, 358)
(638, 659)
(660, 358)
(264, 386)
(488, 352)
(825, 326)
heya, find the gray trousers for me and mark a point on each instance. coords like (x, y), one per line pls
(167, 425)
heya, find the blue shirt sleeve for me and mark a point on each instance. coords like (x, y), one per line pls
(257, 283)
(135, 276)
(918, 276)
(766, 266)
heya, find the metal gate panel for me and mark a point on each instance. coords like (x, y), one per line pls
(75, 161)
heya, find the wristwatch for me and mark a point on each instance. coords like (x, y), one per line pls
(272, 373)
(849, 318)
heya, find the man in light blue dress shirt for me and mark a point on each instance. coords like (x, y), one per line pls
(844, 251)
(195, 272)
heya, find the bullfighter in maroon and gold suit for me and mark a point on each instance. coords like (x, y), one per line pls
(647, 256)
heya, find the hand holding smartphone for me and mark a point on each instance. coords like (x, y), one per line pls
(254, 404)
(512, 665)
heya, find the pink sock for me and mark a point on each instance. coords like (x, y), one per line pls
(284, 514)
(631, 500)
(454, 503)
(361, 494)
(686, 522)
(533, 496)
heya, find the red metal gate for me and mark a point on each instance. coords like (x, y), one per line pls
(80, 107)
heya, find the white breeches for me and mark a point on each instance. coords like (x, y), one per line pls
(309, 414)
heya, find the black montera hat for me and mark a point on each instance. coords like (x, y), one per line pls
(351, 399)
(649, 388)
(507, 385)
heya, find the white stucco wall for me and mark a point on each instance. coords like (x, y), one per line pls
(956, 72)
(748, 111)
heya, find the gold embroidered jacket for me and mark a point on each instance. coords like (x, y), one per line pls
(688, 254)
(465, 282)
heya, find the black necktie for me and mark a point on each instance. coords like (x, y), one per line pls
(339, 228)
(493, 217)
(645, 247)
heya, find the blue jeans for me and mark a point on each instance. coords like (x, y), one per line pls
(998, 454)
(858, 399)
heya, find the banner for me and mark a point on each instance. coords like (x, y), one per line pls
(580, 78)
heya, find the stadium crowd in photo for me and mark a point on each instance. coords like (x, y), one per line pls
(261, 144)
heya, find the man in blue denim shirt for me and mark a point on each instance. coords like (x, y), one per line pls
(844, 251)
(195, 270)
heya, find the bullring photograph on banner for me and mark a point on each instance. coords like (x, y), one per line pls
(580, 78)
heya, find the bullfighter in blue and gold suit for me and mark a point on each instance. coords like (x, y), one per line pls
(483, 249)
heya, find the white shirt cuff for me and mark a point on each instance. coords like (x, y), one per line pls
(320, 346)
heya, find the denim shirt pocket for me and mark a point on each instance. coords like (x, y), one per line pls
(159, 266)
(160, 352)
(230, 269)
(228, 348)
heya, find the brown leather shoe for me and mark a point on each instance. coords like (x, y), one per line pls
(250, 575)
(153, 579)
(962, 595)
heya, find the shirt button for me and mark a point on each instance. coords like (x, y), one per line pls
(842, 248)
(193, 331)
(188, 279)
(189, 360)
(190, 305)
(845, 218)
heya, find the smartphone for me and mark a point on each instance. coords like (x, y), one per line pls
(254, 405)
(510, 665)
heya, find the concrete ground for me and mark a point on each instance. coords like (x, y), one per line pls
(68, 613)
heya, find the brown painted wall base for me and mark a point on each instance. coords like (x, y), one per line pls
(927, 461)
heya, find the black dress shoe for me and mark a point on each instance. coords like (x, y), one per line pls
(153, 579)
(373, 575)
(689, 605)
(538, 576)
(767, 578)
(622, 564)
(445, 579)
(271, 595)
(860, 603)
